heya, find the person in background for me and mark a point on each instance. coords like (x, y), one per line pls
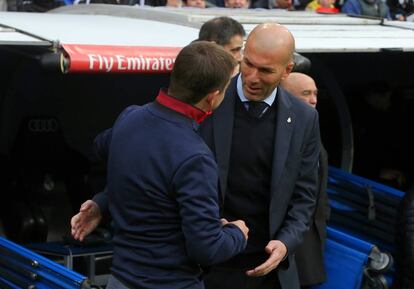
(162, 181)
(237, 4)
(226, 32)
(3, 5)
(194, 3)
(231, 3)
(172, 3)
(185, 3)
(273, 4)
(404, 243)
(302, 86)
(281, 4)
(310, 254)
(377, 113)
(373, 8)
(316, 4)
(401, 10)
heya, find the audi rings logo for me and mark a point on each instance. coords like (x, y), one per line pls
(43, 125)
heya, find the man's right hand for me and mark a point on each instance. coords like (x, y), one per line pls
(86, 220)
(242, 226)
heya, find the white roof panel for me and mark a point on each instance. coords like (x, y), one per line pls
(320, 32)
(349, 38)
(103, 24)
(100, 29)
(9, 36)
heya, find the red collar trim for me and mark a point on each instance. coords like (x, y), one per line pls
(181, 107)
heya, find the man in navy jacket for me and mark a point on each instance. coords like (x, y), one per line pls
(162, 180)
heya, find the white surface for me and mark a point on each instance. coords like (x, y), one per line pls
(11, 37)
(100, 29)
(349, 38)
(319, 32)
(154, 27)
(16, 38)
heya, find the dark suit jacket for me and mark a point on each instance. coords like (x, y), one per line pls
(294, 171)
(310, 254)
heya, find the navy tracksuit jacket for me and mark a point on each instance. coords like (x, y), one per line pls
(163, 198)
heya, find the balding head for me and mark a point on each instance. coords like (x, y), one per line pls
(301, 86)
(268, 59)
(272, 38)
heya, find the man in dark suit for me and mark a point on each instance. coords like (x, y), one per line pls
(310, 254)
(226, 32)
(162, 181)
(266, 144)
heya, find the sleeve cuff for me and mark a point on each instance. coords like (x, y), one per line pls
(101, 199)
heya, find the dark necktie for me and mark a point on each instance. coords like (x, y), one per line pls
(256, 108)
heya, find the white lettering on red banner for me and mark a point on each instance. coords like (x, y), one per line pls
(120, 59)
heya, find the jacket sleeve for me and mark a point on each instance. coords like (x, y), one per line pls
(101, 151)
(302, 203)
(195, 185)
(101, 147)
(101, 199)
(351, 7)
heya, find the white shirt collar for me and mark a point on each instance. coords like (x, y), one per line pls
(269, 100)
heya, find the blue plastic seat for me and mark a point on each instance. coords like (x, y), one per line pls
(22, 268)
(351, 261)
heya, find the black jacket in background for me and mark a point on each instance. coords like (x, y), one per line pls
(310, 254)
(405, 243)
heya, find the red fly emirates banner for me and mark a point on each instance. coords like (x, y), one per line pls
(118, 59)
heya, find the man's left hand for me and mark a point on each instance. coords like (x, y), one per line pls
(277, 251)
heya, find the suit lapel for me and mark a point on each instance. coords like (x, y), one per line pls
(223, 119)
(284, 127)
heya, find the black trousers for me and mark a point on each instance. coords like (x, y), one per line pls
(232, 274)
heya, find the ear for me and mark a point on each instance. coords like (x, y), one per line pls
(288, 70)
(208, 102)
(211, 98)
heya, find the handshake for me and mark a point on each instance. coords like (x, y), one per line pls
(240, 224)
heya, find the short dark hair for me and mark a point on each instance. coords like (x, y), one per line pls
(200, 68)
(221, 30)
